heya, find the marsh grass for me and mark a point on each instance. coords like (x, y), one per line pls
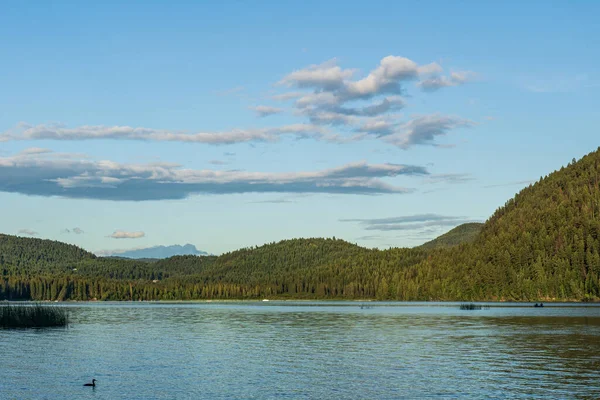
(33, 315)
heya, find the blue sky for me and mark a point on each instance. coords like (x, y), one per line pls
(229, 124)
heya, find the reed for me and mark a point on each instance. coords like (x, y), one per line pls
(470, 306)
(33, 315)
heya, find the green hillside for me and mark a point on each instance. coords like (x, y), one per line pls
(39, 254)
(465, 233)
(309, 268)
(543, 244)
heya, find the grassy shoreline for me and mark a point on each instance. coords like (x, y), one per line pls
(492, 303)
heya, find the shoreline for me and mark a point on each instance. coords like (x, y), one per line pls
(432, 303)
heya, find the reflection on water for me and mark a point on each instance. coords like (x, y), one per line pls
(306, 350)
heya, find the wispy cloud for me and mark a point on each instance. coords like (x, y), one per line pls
(77, 231)
(273, 201)
(424, 129)
(127, 235)
(437, 82)
(218, 162)
(27, 232)
(410, 222)
(265, 111)
(449, 178)
(292, 198)
(287, 96)
(35, 150)
(25, 131)
(64, 175)
(370, 237)
(516, 183)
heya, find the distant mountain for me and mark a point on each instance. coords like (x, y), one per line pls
(465, 233)
(161, 252)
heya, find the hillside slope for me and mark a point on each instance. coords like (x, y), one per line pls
(465, 233)
(314, 268)
(542, 244)
(32, 253)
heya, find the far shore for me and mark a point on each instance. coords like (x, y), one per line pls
(438, 303)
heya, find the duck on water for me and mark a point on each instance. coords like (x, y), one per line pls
(91, 384)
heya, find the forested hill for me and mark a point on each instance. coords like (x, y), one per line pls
(541, 245)
(21, 251)
(465, 233)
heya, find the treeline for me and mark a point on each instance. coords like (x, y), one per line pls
(300, 268)
(543, 244)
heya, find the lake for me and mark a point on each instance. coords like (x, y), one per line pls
(306, 350)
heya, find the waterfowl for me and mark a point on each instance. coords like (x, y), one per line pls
(91, 384)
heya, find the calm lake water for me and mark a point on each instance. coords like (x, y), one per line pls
(306, 350)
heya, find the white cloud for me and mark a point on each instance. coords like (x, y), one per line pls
(317, 99)
(429, 69)
(437, 82)
(327, 76)
(334, 86)
(265, 111)
(287, 96)
(334, 90)
(378, 126)
(127, 235)
(385, 78)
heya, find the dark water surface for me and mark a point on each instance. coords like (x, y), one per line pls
(306, 350)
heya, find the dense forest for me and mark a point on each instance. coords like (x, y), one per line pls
(543, 244)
